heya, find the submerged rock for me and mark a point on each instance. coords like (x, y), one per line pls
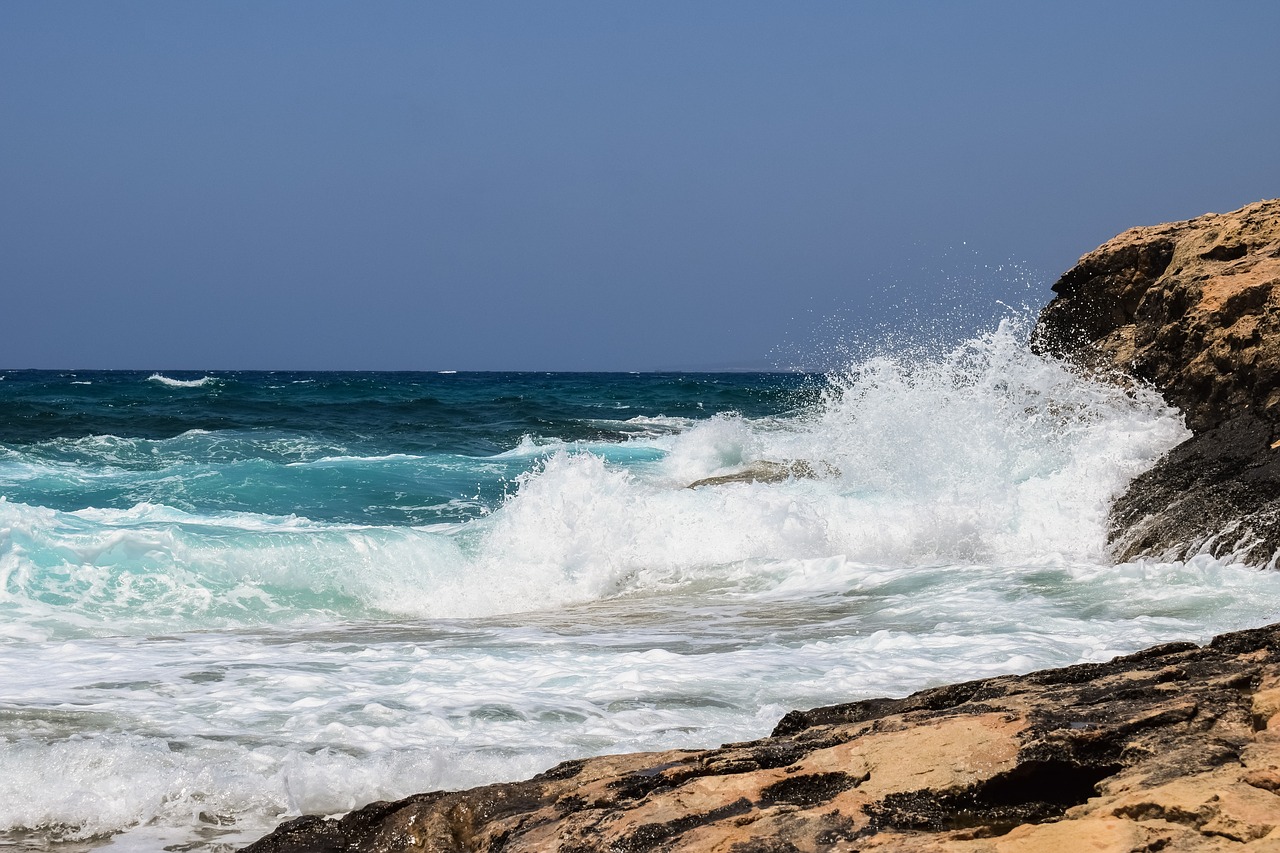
(1173, 748)
(1193, 308)
(765, 471)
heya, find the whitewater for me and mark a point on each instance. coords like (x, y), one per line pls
(230, 598)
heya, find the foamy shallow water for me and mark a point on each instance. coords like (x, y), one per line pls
(184, 664)
(187, 732)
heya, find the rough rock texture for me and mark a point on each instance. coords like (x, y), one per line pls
(1194, 309)
(1219, 492)
(1172, 749)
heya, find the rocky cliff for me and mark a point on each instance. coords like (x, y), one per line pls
(1173, 749)
(1192, 308)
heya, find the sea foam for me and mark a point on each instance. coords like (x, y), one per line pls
(986, 455)
(182, 383)
(175, 672)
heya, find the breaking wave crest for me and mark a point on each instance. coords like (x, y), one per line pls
(988, 454)
(209, 626)
(202, 382)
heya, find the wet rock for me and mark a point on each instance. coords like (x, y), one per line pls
(1215, 492)
(1174, 748)
(1193, 308)
(765, 471)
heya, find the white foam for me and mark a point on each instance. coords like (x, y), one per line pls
(150, 514)
(357, 460)
(83, 787)
(182, 732)
(531, 446)
(182, 383)
(166, 671)
(986, 455)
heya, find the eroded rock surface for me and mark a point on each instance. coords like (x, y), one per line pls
(1194, 309)
(1175, 748)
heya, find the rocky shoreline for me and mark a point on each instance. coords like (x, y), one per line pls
(1174, 748)
(1193, 308)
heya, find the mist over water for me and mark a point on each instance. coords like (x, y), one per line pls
(228, 598)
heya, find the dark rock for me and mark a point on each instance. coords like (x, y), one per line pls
(1193, 308)
(1217, 491)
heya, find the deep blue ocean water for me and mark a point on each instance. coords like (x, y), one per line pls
(371, 448)
(231, 597)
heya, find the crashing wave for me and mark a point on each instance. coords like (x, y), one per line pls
(182, 383)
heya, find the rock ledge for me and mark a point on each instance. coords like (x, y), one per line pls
(1174, 748)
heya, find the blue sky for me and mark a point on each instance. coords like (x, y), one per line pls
(594, 185)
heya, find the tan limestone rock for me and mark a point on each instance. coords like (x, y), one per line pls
(1155, 751)
(1192, 308)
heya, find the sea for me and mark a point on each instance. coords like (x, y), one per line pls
(230, 598)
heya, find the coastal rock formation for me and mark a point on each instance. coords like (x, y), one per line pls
(1174, 748)
(1193, 308)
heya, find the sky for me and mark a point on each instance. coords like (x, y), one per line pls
(591, 185)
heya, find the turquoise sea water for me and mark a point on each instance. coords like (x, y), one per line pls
(227, 598)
